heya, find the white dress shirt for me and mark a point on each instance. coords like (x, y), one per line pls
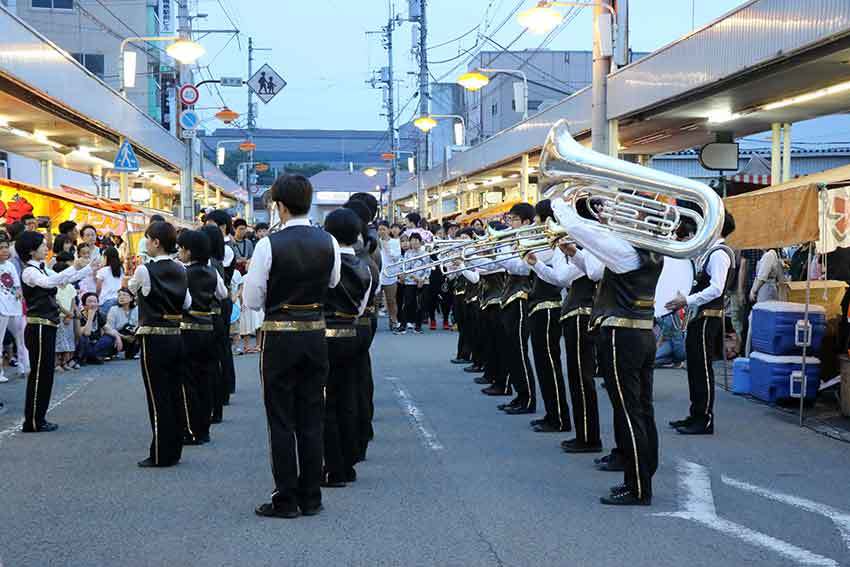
(141, 280)
(33, 276)
(717, 268)
(365, 301)
(614, 252)
(257, 279)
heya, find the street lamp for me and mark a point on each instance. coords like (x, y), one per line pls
(428, 122)
(220, 153)
(476, 80)
(425, 123)
(543, 17)
(370, 172)
(185, 51)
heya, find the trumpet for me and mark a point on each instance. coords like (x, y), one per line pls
(436, 250)
(632, 197)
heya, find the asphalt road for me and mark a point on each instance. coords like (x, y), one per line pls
(449, 481)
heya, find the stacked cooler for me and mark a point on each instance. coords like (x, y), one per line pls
(773, 372)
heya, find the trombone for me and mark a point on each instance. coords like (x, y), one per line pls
(435, 250)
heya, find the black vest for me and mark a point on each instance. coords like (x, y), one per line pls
(541, 291)
(219, 268)
(630, 295)
(163, 306)
(343, 301)
(581, 295)
(491, 288)
(368, 258)
(202, 282)
(516, 287)
(41, 302)
(703, 278)
(302, 261)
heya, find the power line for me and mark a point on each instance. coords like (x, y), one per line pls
(458, 38)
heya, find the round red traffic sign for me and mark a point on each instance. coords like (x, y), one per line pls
(189, 95)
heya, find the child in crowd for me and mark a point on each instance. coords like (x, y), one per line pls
(11, 309)
(412, 285)
(66, 335)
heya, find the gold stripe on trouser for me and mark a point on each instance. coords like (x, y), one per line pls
(581, 378)
(705, 362)
(552, 366)
(265, 405)
(146, 377)
(626, 413)
(523, 359)
(37, 376)
(186, 409)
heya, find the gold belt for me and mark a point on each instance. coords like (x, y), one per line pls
(624, 323)
(577, 311)
(344, 315)
(514, 297)
(296, 307)
(177, 318)
(148, 330)
(459, 293)
(488, 302)
(292, 326)
(216, 311)
(471, 299)
(202, 313)
(545, 305)
(196, 327)
(41, 321)
(340, 333)
(711, 313)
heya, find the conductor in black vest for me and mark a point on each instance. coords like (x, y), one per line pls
(289, 277)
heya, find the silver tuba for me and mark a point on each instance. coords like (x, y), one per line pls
(629, 199)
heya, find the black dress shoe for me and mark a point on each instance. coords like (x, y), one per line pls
(535, 422)
(612, 465)
(495, 391)
(268, 510)
(42, 428)
(681, 422)
(216, 420)
(547, 427)
(474, 369)
(459, 361)
(511, 404)
(696, 429)
(600, 460)
(520, 410)
(625, 499)
(204, 439)
(576, 446)
(150, 463)
(312, 510)
(351, 475)
(619, 488)
(483, 380)
(187, 440)
(332, 481)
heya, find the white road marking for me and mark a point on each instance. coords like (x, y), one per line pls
(695, 484)
(13, 430)
(417, 418)
(839, 518)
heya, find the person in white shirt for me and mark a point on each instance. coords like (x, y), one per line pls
(88, 284)
(11, 309)
(412, 286)
(109, 279)
(390, 254)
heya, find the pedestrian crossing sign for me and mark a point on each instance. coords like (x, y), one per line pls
(125, 160)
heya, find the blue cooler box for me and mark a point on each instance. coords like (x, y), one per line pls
(741, 376)
(774, 323)
(770, 376)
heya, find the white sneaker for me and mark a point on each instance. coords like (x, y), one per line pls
(3, 378)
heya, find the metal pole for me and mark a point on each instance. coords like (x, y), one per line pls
(391, 182)
(621, 39)
(187, 205)
(251, 120)
(601, 68)
(523, 178)
(808, 334)
(786, 152)
(424, 93)
(775, 160)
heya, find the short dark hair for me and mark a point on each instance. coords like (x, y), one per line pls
(239, 222)
(165, 233)
(544, 210)
(197, 243)
(344, 225)
(86, 296)
(59, 243)
(63, 260)
(67, 226)
(27, 217)
(221, 218)
(415, 236)
(82, 246)
(216, 242)
(384, 223)
(295, 192)
(261, 226)
(368, 200)
(468, 231)
(156, 218)
(395, 225)
(523, 210)
(86, 227)
(15, 229)
(414, 218)
(27, 243)
(728, 225)
(360, 209)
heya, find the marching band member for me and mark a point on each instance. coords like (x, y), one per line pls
(491, 282)
(624, 312)
(289, 278)
(162, 291)
(220, 346)
(224, 222)
(39, 291)
(703, 337)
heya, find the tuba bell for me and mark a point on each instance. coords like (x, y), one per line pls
(642, 205)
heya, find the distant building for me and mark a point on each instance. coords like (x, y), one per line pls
(331, 189)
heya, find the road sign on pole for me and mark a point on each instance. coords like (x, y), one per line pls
(189, 95)
(266, 83)
(126, 160)
(189, 120)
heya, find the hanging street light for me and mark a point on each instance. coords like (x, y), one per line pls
(247, 146)
(473, 81)
(185, 51)
(226, 115)
(425, 123)
(540, 19)
(370, 172)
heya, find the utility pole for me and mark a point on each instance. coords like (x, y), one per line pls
(252, 120)
(391, 115)
(187, 181)
(424, 103)
(252, 126)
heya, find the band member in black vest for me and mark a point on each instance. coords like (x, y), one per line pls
(220, 345)
(224, 222)
(491, 283)
(289, 277)
(163, 294)
(39, 291)
(544, 308)
(624, 313)
(463, 309)
(205, 286)
(703, 339)
(515, 319)
(345, 304)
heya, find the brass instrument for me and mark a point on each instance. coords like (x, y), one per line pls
(436, 250)
(631, 198)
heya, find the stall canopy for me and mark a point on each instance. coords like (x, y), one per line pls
(499, 209)
(794, 212)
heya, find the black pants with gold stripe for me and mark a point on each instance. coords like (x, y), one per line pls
(342, 443)
(218, 352)
(517, 331)
(461, 309)
(41, 343)
(546, 345)
(630, 360)
(365, 385)
(581, 368)
(227, 367)
(294, 371)
(494, 347)
(162, 372)
(701, 341)
(197, 393)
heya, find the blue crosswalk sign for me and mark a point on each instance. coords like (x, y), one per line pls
(126, 159)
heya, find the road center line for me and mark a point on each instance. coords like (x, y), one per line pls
(417, 418)
(698, 504)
